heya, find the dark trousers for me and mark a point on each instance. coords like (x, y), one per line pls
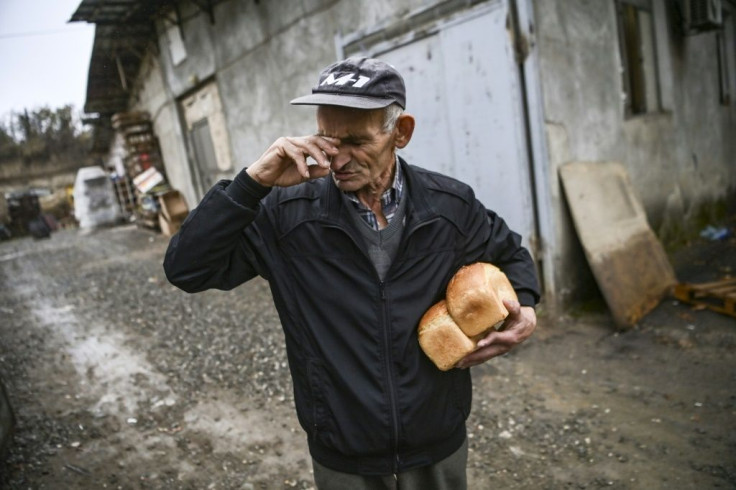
(448, 474)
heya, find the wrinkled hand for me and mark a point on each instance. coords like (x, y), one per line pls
(518, 327)
(284, 163)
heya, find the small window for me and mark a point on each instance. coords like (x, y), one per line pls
(640, 77)
(726, 42)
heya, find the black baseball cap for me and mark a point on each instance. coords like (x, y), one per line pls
(361, 83)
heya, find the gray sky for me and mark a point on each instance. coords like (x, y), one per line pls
(43, 59)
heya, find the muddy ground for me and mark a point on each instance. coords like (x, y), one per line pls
(121, 381)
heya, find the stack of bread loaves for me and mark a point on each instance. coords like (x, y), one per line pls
(473, 305)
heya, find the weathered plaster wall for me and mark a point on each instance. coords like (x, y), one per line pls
(152, 95)
(678, 159)
(262, 55)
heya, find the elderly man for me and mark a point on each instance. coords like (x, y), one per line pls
(356, 245)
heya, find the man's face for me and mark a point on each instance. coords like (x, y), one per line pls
(366, 158)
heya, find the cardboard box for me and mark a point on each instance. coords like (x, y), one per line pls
(173, 205)
(169, 227)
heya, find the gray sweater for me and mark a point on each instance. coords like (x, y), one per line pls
(382, 244)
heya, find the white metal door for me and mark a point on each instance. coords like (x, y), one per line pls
(207, 129)
(463, 88)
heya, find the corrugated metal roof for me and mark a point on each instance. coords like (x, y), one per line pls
(124, 29)
(116, 12)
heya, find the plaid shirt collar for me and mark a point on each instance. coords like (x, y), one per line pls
(390, 200)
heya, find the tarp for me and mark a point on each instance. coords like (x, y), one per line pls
(95, 203)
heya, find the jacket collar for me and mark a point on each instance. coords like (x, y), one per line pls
(418, 207)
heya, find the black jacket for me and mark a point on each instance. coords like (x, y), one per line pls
(369, 399)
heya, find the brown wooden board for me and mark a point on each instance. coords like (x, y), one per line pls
(718, 296)
(628, 262)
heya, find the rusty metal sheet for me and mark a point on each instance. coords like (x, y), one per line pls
(627, 260)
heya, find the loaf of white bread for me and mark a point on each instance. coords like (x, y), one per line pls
(473, 305)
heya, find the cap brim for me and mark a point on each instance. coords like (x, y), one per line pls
(354, 101)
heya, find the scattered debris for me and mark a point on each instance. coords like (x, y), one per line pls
(77, 469)
(715, 233)
(718, 296)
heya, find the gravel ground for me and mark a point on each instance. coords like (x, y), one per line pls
(119, 380)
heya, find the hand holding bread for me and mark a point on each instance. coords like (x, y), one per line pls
(458, 327)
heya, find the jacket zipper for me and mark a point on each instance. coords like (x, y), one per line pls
(387, 341)
(389, 377)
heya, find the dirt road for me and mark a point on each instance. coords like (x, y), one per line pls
(121, 381)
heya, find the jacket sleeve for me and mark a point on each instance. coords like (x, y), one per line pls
(494, 242)
(218, 245)
(513, 259)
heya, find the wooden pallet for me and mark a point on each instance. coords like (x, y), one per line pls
(718, 296)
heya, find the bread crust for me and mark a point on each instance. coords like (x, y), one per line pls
(441, 338)
(475, 297)
(473, 304)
